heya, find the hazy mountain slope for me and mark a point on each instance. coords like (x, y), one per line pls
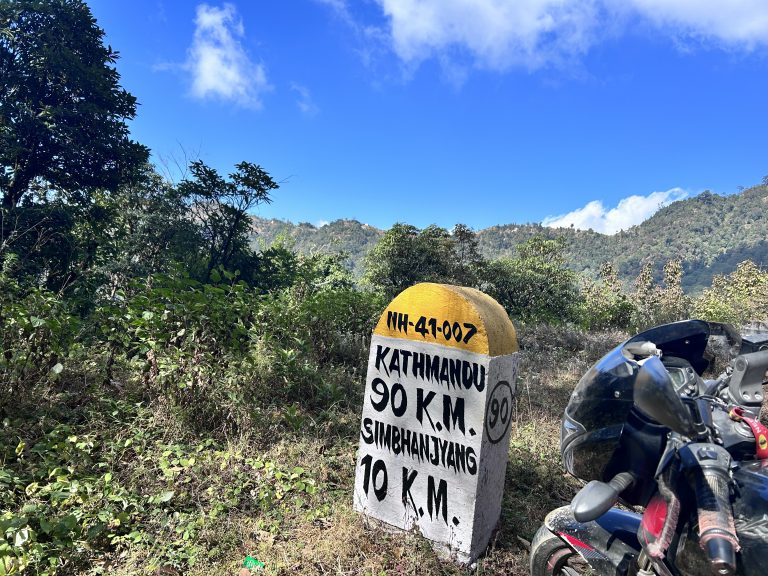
(349, 236)
(710, 233)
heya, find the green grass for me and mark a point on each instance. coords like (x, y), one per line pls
(96, 481)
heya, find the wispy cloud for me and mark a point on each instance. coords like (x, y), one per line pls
(160, 14)
(628, 212)
(502, 34)
(373, 40)
(219, 65)
(304, 99)
(341, 9)
(742, 24)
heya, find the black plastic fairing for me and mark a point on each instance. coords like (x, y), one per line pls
(609, 544)
(639, 450)
(602, 400)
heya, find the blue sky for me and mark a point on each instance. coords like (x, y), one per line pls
(590, 112)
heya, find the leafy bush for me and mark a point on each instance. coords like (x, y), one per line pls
(603, 303)
(210, 350)
(737, 298)
(37, 330)
(405, 255)
(656, 304)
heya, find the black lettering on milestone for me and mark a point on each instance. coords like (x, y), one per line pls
(399, 399)
(424, 447)
(455, 368)
(444, 378)
(466, 374)
(379, 387)
(480, 385)
(433, 368)
(453, 413)
(408, 479)
(435, 450)
(419, 359)
(443, 447)
(450, 461)
(422, 406)
(381, 357)
(394, 362)
(471, 461)
(437, 500)
(415, 445)
(405, 440)
(366, 433)
(461, 461)
(386, 440)
(405, 355)
(402, 441)
(402, 323)
(380, 469)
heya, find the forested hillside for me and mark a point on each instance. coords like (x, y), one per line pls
(347, 236)
(709, 233)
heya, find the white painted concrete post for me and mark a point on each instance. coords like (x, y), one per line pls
(434, 434)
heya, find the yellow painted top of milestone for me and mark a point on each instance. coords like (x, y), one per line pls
(453, 316)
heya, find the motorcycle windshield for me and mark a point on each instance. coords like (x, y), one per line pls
(603, 398)
(604, 395)
(686, 339)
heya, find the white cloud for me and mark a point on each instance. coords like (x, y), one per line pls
(628, 212)
(321, 223)
(500, 34)
(496, 33)
(218, 62)
(741, 23)
(304, 101)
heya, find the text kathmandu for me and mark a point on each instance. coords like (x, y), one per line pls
(431, 368)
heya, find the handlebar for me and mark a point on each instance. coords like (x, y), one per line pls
(708, 465)
(717, 534)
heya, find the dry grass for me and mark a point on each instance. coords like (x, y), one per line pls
(341, 542)
(320, 534)
(324, 536)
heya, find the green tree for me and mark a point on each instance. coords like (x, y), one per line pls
(146, 230)
(740, 297)
(535, 285)
(603, 303)
(406, 255)
(142, 228)
(658, 304)
(62, 110)
(468, 262)
(220, 208)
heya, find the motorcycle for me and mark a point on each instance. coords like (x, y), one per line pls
(677, 465)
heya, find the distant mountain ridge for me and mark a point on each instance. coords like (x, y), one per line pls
(710, 233)
(349, 236)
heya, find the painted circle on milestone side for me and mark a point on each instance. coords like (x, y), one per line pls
(498, 412)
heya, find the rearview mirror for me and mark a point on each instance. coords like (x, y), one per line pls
(656, 397)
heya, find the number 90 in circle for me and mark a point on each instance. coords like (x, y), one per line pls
(498, 412)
